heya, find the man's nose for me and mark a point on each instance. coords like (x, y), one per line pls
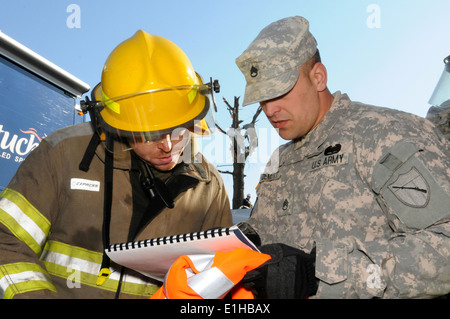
(165, 143)
(270, 107)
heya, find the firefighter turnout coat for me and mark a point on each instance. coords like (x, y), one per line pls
(51, 218)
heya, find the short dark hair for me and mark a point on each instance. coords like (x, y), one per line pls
(306, 67)
(316, 57)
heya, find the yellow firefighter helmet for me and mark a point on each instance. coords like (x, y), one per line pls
(149, 88)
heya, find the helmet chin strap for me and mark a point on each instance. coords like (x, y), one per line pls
(89, 106)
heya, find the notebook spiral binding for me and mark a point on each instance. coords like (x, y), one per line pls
(170, 239)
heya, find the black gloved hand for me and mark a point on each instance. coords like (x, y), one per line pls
(288, 275)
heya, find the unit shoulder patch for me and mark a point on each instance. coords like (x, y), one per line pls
(411, 189)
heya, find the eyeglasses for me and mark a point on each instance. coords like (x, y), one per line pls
(178, 135)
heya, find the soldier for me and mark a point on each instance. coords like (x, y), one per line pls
(356, 205)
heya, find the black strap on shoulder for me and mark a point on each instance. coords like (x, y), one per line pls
(89, 153)
(107, 205)
(105, 272)
(89, 106)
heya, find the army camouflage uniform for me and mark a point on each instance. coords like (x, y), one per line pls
(369, 187)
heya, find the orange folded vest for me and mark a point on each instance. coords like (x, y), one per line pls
(210, 276)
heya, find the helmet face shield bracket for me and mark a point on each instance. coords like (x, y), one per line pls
(214, 87)
(204, 89)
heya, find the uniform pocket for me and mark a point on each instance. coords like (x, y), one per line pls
(331, 261)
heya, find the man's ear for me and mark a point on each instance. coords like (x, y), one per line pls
(319, 76)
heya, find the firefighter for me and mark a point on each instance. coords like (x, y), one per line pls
(246, 203)
(126, 175)
(439, 112)
(356, 204)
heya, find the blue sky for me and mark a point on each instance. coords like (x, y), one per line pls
(380, 52)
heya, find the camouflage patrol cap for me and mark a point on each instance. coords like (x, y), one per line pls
(271, 63)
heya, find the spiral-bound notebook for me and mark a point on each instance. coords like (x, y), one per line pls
(153, 257)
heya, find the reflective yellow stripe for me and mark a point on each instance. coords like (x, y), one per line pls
(22, 277)
(23, 220)
(114, 106)
(192, 94)
(81, 265)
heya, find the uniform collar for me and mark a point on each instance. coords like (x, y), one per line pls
(122, 159)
